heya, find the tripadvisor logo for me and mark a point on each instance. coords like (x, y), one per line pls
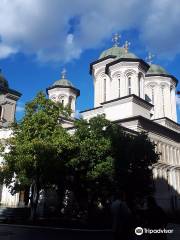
(139, 231)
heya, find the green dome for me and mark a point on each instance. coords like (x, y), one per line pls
(129, 55)
(3, 82)
(63, 82)
(156, 69)
(114, 51)
(118, 52)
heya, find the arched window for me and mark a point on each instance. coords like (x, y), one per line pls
(139, 85)
(162, 89)
(119, 87)
(152, 94)
(171, 99)
(104, 89)
(129, 85)
(70, 101)
(61, 99)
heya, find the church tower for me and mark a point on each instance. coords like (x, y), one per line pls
(8, 100)
(118, 73)
(63, 91)
(160, 88)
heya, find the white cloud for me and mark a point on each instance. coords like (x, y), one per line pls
(178, 102)
(6, 51)
(44, 27)
(20, 107)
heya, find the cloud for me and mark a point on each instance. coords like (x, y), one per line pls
(54, 30)
(20, 107)
(178, 102)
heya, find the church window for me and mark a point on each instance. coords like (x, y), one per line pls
(162, 89)
(0, 112)
(129, 85)
(171, 96)
(104, 90)
(62, 101)
(119, 88)
(70, 101)
(139, 86)
(53, 97)
(152, 95)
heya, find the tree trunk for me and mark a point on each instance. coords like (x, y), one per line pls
(34, 199)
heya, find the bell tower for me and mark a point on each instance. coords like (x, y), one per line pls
(63, 91)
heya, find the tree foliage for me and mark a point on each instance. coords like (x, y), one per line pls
(108, 159)
(94, 162)
(36, 153)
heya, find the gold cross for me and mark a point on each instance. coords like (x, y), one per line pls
(115, 39)
(149, 58)
(63, 73)
(127, 45)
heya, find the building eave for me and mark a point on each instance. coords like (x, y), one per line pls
(77, 91)
(127, 96)
(148, 125)
(11, 91)
(126, 60)
(98, 61)
(87, 110)
(162, 75)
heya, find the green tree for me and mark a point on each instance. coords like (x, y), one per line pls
(109, 159)
(38, 149)
(134, 156)
(91, 166)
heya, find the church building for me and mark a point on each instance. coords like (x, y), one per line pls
(141, 96)
(133, 93)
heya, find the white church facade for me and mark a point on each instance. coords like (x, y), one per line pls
(140, 96)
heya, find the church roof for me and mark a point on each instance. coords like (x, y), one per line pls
(63, 82)
(114, 51)
(156, 69)
(118, 52)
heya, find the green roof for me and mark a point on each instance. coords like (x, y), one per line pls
(114, 51)
(63, 82)
(129, 55)
(156, 69)
(118, 52)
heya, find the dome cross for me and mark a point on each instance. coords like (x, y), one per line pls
(115, 39)
(149, 58)
(63, 73)
(126, 46)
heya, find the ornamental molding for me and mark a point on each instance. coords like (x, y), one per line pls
(130, 72)
(117, 74)
(99, 72)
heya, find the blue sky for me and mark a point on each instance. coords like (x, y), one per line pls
(39, 38)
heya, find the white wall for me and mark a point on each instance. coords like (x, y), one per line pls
(164, 96)
(63, 95)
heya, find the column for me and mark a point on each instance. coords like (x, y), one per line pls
(167, 154)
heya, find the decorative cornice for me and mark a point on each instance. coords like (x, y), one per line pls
(149, 125)
(169, 123)
(137, 99)
(100, 60)
(163, 75)
(90, 109)
(11, 91)
(126, 60)
(77, 91)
